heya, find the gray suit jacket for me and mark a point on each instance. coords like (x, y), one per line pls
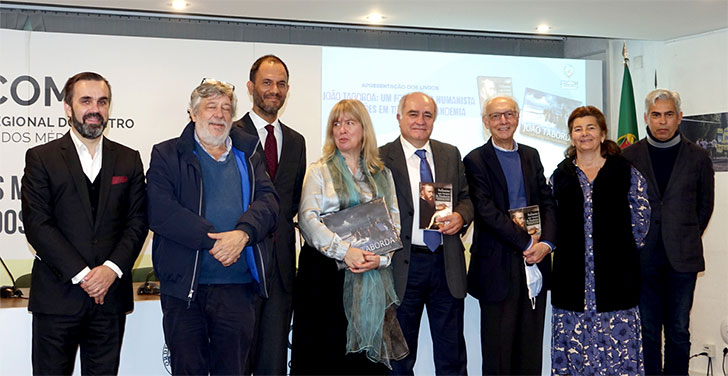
(288, 182)
(448, 168)
(681, 215)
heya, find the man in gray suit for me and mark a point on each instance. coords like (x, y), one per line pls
(284, 152)
(681, 188)
(430, 269)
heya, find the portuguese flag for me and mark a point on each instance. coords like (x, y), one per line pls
(627, 114)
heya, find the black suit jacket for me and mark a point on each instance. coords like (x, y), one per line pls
(59, 223)
(288, 183)
(681, 215)
(448, 169)
(497, 240)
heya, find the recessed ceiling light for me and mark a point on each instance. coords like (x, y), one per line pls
(375, 17)
(543, 28)
(179, 4)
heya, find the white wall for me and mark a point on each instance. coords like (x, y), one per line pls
(696, 67)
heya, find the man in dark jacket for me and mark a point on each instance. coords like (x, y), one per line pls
(429, 272)
(681, 188)
(212, 208)
(84, 206)
(505, 175)
(284, 152)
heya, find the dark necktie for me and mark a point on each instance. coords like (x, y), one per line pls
(432, 238)
(271, 152)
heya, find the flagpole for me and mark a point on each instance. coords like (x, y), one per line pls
(627, 124)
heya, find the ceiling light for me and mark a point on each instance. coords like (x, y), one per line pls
(179, 4)
(543, 28)
(375, 17)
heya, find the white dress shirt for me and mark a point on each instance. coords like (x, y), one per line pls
(413, 169)
(260, 124)
(91, 167)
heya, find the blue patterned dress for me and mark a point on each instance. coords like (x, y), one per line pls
(601, 343)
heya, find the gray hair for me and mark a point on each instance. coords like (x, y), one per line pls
(663, 94)
(212, 88)
(493, 99)
(402, 101)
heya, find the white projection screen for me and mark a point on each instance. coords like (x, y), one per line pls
(546, 89)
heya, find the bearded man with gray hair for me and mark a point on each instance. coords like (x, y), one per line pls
(212, 207)
(681, 189)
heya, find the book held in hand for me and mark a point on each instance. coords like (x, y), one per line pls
(529, 218)
(367, 226)
(435, 202)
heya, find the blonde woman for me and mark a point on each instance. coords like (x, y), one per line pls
(332, 332)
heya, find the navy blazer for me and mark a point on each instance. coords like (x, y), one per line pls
(61, 228)
(681, 215)
(497, 240)
(176, 212)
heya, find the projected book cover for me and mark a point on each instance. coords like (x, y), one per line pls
(489, 87)
(367, 226)
(544, 116)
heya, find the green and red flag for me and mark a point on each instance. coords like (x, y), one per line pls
(627, 131)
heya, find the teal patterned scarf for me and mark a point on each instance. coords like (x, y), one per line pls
(369, 298)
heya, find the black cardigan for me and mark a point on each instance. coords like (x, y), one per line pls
(616, 260)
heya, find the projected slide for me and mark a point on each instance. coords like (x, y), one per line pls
(546, 89)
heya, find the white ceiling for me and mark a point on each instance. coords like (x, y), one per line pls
(635, 19)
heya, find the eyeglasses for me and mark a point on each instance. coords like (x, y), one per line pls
(497, 115)
(213, 81)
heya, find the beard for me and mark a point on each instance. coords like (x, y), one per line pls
(89, 131)
(207, 138)
(271, 110)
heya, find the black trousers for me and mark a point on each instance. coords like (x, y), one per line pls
(666, 299)
(56, 338)
(319, 321)
(511, 331)
(213, 333)
(270, 353)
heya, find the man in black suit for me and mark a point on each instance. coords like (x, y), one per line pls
(681, 189)
(505, 175)
(430, 269)
(284, 151)
(84, 206)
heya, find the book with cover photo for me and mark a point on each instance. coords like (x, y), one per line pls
(435, 202)
(529, 218)
(367, 226)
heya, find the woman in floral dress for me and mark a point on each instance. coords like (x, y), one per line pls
(602, 215)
